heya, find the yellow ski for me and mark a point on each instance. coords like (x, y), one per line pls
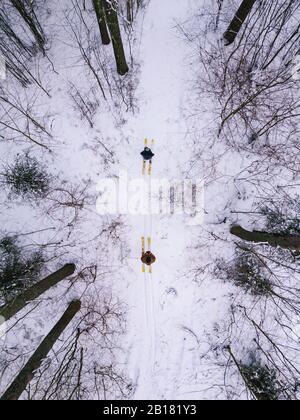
(144, 162)
(150, 162)
(150, 168)
(143, 251)
(144, 167)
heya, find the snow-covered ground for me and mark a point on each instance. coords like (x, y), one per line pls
(179, 318)
(170, 314)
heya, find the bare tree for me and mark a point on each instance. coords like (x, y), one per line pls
(85, 366)
(238, 20)
(8, 30)
(101, 17)
(129, 5)
(18, 303)
(270, 368)
(67, 201)
(252, 84)
(111, 10)
(19, 384)
(24, 110)
(26, 10)
(17, 52)
(260, 379)
(286, 242)
(129, 9)
(86, 103)
(118, 93)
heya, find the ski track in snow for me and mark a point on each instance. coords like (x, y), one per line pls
(159, 343)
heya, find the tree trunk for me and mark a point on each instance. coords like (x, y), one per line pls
(238, 20)
(31, 21)
(115, 33)
(129, 11)
(100, 12)
(220, 5)
(284, 241)
(5, 26)
(20, 383)
(12, 308)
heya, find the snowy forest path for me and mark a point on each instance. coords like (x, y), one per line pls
(155, 340)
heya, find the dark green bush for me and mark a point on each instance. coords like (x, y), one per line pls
(262, 381)
(283, 218)
(248, 272)
(26, 178)
(17, 269)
